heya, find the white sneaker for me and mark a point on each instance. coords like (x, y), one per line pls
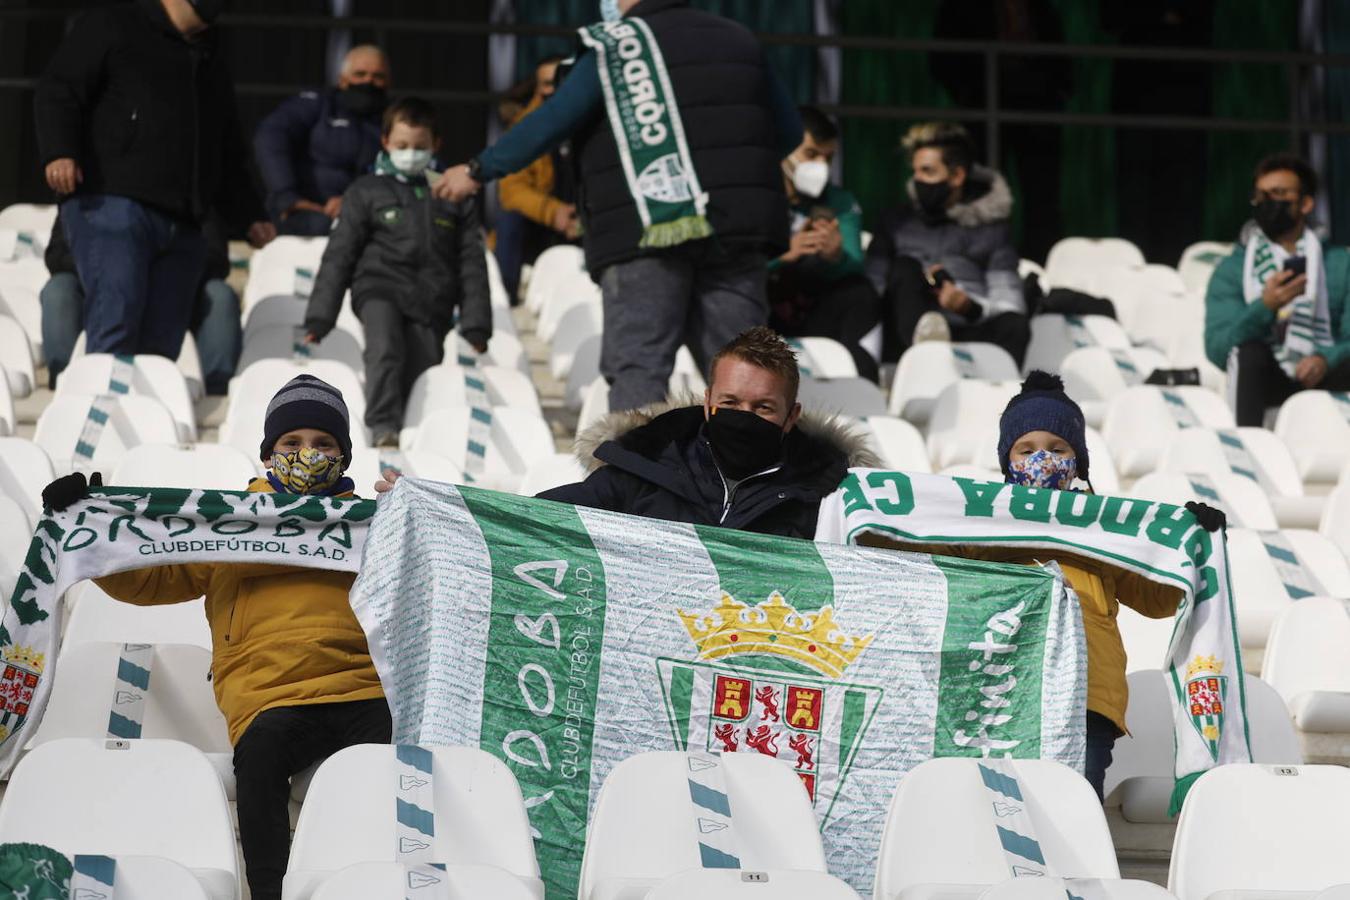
(932, 326)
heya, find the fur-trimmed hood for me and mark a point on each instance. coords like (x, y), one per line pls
(830, 430)
(986, 199)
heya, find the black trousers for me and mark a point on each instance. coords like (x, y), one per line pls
(1101, 740)
(845, 310)
(279, 743)
(398, 349)
(909, 296)
(1261, 383)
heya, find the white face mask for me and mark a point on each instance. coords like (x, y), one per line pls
(810, 177)
(609, 11)
(410, 161)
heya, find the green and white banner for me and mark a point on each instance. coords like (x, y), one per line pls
(117, 529)
(563, 640)
(1160, 541)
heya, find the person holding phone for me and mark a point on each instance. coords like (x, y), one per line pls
(1276, 311)
(817, 288)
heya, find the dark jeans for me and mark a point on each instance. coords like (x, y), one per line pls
(279, 743)
(1101, 738)
(1261, 383)
(909, 296)
(398, 349)
(520, 240)
(216, 324)
(694, 294)
(139, 269)
(845, 310)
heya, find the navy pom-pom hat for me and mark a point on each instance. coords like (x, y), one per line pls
(1042, 405)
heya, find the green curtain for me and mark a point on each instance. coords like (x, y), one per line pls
(1336, 33)
(1087, 202)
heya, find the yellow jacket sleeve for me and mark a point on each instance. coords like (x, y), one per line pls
(1146, 596)
(528, 192)
(158, 584)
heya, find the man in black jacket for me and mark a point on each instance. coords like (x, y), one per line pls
(745, 459)
(738, 124)
(410, 261)
(137, 128)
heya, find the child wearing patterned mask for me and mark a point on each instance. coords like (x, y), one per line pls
(291, 667)
(1042, 444)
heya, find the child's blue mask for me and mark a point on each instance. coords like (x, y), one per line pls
(1043, 469)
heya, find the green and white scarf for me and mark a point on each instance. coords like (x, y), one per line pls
(645, 117)
(1308, 318)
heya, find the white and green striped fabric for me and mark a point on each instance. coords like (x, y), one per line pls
(564, 640)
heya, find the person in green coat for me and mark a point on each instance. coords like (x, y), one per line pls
(1276, 311)
(818, 287)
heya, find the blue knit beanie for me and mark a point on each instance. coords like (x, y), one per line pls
(1042, 405)
(307, 402)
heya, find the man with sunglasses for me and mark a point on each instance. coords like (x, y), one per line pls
(1276, 311)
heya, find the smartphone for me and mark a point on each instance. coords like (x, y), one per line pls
(939, 278)
(1296, 264)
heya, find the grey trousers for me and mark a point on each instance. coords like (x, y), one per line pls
(653, 304)
(398, 349)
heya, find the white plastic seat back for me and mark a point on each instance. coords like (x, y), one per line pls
(1095, 375)
(963, 416)
(1305, 664)
(1140, 777)
(583, 368)
(1203, 451)
(392, 881)
(1059, 888)
(16, 355)
(856, 397)
(125, 798)
(546, 474)
(287, 266)
(150, 376)
(1315, 426)
(16, 534)
(942, 830)
(1242, 499)
(287, 342)
(349, 815)
(1055, 336)
(643, 827)
(822, 357)
(925, 370)
(594, 404)
(25, 469)
(94, 616)
(1146, 640)
(209, 466)
(573, 290)
(898, 443)
(1141, 421)
(551, 267)
(38, 218)
(23, 305)
(505, 349)
(286, 311)
(1260, 829)
(253, 388)
(578, 325)
(515, 440)
(686, 380)
(1259, 593)
(1335, 524)
(178, 703)
(448, 386)
(733, 884)
(1074, 254)
(1198, 262)
(1145, 298)
(132, 420)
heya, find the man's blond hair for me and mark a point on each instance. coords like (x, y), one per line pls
(763, 348)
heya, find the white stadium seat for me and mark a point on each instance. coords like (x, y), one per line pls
(287, 265)
(151, 376)
(25, 469)
(428, 464)
(823, 358)
(288, 311)
(1055, 336)
(133, 420)
(349, 816)
(546, 474)
(925, 370)
(1315, 425)
(94, 616)
(1306, 662)
(1264, 585)
(583, 367)
(1241, 499)
(898, 443)
(393, 881)
(1335, 522)
(551, 267)
(942, 835)
(287, 342)
(1185, 347)
(504, 349)
(594, 404)
(1141, 421)
(1254, 453)
(1074, 254)
(573, 290)
(1146, 640)
(515, 440)
(1140, 777)
(578, 326)
(1093, 376)
(449, 386)
(1198, 262)
(212, 466)
(1145, 299)
(16, 355)
(1251, 831)
(252, 389)
(962, 417)
(856, 397)
(37, 218)
(179, 704)
(16, 534)
(643, 827)
(22, 304)
(132, 798)
(686, 379)
(1059, 888)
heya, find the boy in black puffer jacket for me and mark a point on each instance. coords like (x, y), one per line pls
(410, 261)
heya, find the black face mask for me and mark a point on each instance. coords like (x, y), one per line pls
(208, 10)
(363, 99)
(743, 443)
(932, 197)
(1275, 217)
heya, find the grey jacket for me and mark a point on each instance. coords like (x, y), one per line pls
(394, 241)
(972, 243)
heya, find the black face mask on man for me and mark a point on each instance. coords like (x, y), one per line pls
(744, 443)
(932, 197)
(1275, 217)
(365, 99)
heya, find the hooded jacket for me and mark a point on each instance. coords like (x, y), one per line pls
(972, 242)
(147, 114)
(280, 635)
(656, 462)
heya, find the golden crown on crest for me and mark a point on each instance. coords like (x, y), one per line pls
(26, 657)
(1210, 665)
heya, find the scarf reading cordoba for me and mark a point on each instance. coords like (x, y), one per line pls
(1307, 320)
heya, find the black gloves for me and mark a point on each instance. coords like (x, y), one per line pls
(69, 490)
(1210, 519)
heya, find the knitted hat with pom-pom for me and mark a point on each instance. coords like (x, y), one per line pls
(1042, 405)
